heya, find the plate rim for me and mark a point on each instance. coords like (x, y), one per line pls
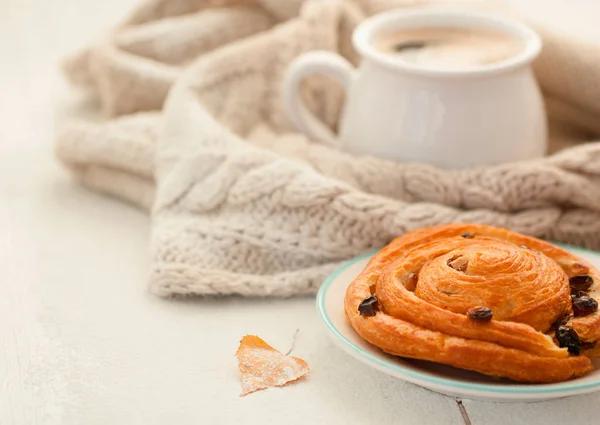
(399, 370)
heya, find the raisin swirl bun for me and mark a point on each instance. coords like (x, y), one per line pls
(483, 299)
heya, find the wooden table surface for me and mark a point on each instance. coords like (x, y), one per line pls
(81, 339)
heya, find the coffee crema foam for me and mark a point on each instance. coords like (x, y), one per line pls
(449, 48)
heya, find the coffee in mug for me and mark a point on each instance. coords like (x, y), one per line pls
(449, 48)
(451, 88)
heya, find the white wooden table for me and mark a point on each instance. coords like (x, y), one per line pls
(81, 339)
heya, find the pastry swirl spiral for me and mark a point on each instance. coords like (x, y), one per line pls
(479, 298)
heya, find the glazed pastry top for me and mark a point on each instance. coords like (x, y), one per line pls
(518, 296)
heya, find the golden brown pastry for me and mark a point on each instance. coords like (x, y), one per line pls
(480, 298)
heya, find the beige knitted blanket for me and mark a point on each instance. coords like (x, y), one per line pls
(194, 130)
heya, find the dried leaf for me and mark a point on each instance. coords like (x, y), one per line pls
(262, 366)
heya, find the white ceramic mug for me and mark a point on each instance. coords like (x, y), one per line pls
(449, 118)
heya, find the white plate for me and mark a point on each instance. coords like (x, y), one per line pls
(437, 377)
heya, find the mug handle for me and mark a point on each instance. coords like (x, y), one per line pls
(319, 62)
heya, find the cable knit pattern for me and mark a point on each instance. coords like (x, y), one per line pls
(243, 204)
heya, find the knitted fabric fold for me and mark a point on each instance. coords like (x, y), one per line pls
(243, 204)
